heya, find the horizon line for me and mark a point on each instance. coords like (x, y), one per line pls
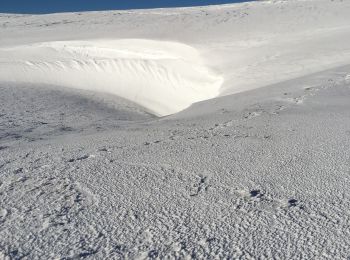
(125, 9)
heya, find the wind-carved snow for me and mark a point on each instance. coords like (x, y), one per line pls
(163, 77)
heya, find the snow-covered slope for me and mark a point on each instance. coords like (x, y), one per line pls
(259, 174)
(167, 59)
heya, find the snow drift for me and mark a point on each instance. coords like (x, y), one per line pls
(163, 77)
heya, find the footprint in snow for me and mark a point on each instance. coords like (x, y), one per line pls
(253, 114)
(148, 143)
(200, 186)
(18, 171)
(80, 158)
(293, 203)
(153, 254)
(256, 194)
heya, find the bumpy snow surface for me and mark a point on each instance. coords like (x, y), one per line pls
(252, 160)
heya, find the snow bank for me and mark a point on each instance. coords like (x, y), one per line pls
(164, 77)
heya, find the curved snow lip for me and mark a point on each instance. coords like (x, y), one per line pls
(163, 77)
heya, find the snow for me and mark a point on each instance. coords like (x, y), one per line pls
(251, 161)
(164, 77)
(181, 56)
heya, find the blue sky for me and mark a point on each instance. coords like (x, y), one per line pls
(49, 6)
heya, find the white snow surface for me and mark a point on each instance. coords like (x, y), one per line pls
(167, 59)
(252, 160)
(164, 77)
